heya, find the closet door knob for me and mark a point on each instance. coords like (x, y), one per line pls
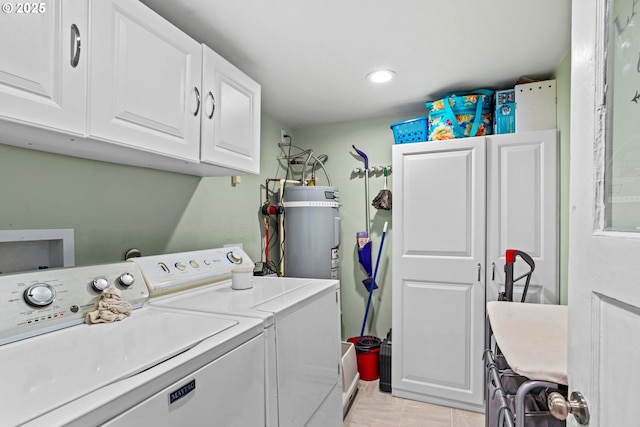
(560, 408)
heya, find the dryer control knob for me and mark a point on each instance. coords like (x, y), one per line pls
(99, 284)
(39, 295)
(126, 279)
(234, 257)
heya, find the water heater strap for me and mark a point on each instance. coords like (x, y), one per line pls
(314, 204)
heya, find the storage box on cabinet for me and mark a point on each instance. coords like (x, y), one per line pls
(536, 106)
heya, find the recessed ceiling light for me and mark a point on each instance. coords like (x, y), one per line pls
(381, 76)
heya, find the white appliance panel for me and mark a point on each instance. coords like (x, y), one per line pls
(61, 366)
(307, 365)
(301, 323)
(230, 388)
(64, 372)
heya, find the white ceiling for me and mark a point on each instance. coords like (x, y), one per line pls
(311, 56)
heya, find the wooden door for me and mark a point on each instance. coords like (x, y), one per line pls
(438, 272)
(145, 81)
(231, 120)
(43, 64)
(522, 212)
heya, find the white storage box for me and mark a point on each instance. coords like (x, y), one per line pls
(350, 375)
(536, 106)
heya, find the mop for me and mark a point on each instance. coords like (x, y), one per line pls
(371, 288)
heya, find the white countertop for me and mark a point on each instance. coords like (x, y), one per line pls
(532, 338)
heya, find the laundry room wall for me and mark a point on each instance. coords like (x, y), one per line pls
(113, 207)
(375, 138)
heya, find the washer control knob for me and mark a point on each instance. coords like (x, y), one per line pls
(126, 279)
(180, 266)
(234, 257)
(39, 295)
(99, 284)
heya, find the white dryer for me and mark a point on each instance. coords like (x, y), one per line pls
(301, 318)
(159, 367)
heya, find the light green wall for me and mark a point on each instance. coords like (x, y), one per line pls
(375, 138)
(113, 208)
(563, 89)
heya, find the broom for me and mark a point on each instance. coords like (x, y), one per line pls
(383, 199)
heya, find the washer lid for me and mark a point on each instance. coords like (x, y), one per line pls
(45, 372)
(269, 295)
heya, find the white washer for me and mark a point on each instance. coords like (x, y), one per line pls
(159, 367)
(301, 318)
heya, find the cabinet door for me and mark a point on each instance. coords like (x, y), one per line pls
(231, 120)
(43, 64)
(145, 81)
(522, 212)
(438, 282)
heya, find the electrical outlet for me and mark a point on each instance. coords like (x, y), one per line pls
(283, 133)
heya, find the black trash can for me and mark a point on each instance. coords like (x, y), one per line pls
(385, 364)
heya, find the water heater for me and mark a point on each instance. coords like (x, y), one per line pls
(311, 232)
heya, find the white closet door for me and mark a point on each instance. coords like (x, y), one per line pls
(438, 272)
(522, 211)
(43, 64)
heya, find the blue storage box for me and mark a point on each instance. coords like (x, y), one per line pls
(505, 115)
(414, 130)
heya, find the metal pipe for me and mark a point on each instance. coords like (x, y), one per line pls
(523, 390)
(281, 144)
(493, 375)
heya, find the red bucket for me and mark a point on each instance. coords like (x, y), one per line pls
(367, 352)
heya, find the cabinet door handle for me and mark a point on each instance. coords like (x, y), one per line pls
(195, 113)
(213, 104)
(493, 271)
(479, 269)
(75, 45)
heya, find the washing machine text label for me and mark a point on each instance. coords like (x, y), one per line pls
(182, 392)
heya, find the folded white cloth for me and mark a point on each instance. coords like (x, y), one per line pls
(111, 308)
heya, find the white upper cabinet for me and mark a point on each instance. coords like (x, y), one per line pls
(112, 80)
(43, 64)
(230, 135)
(145, 81)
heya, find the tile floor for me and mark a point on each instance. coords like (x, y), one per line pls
(373, 408)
